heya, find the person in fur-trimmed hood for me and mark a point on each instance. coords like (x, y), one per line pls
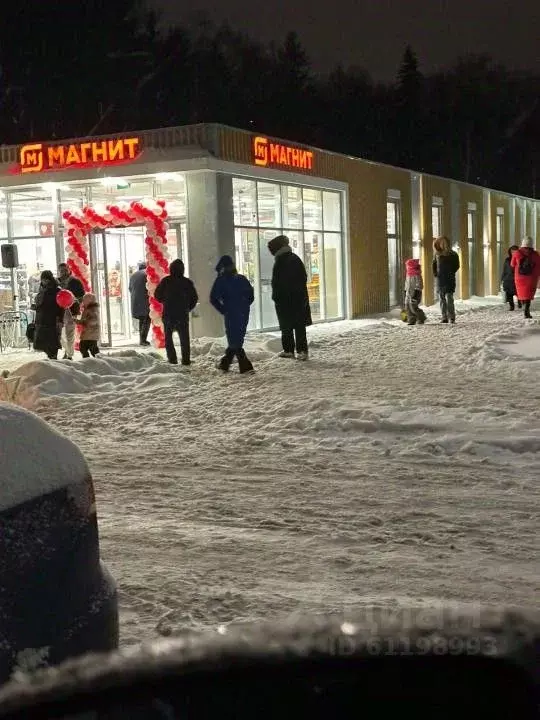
(90, 326)
(445, 267)
(526, 264)
(414, 284)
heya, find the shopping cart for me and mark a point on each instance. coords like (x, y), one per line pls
(13, 325)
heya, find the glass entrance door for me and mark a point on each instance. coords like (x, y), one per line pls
(115, 255)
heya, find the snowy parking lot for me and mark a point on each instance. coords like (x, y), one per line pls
(399, 465)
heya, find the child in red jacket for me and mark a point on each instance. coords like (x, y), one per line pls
(414, 285)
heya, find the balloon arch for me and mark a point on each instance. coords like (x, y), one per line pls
(152, 214)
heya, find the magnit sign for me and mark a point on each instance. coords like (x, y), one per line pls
(43, 157)
(267, 153)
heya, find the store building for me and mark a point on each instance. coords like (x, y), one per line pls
(353, 222)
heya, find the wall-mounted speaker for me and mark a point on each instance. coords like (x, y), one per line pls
(10, 256)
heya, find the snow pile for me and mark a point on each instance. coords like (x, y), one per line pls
(117, 372)
(34, 458)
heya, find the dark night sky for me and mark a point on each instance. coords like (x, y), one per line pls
(373, 33)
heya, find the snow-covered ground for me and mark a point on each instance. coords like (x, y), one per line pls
(399, 465)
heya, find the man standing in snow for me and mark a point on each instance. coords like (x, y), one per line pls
(445, 267)
(140, 307)
(178, 295)
(232, 296)
(69, 282)
(290, 296)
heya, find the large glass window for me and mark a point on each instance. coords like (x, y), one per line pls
(471, 240)
(247, 262)
(269, 204)
(393, 236)
(437, 221)
(500, 240)
(245, 202)
(292, 206)
(313, 209)
(172, 189)
(311, 219)
(31, 210)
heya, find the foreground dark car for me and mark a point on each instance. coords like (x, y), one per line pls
(57, 600)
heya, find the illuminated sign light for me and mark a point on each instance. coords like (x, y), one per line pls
(41, 157)
(266, 153)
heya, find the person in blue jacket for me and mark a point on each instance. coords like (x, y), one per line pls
(232, 296)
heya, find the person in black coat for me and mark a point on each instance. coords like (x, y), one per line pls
(178, 295)
(140, 306)
(49, 317)
(290, 296)
(445, 267)
(508, 281)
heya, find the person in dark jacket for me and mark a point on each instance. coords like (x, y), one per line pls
(290, 296)
(445, 267)
(508, 281)
(140, 306)
(178, 295)
(232, 296)
(49, 317)
(68, 281)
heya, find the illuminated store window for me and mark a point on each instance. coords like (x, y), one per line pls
(269, 205)
(437, 227)
(30, 210)
(499, 234)
(245, 202)
(32, 214)
(292, 206)
(393, 237)
(311, 219)
(471, 241)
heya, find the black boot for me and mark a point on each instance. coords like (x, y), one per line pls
(511, 304)
(244, 362)
(520, 304)
(225, 363)
(527, 309)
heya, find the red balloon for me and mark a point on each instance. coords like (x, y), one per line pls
(65, 299)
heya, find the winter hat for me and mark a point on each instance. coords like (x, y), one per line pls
(225, 262)
(527, 242)
(176, 268)
(277, 243)
(413, 267)
(89, 299)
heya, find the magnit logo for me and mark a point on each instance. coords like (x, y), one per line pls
(275, 154)
(32, 158)
(260, 151)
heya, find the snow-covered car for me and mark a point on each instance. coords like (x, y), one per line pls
(57, 600)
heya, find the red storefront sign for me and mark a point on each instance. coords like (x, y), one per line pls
(267, 153)
(43, 157)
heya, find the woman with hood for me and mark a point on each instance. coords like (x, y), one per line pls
(178, 296)
(290, 296)
(49, 317)
(90, 326)
(232, 296)
(526, 264)
(508, 281)
(445, 267)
